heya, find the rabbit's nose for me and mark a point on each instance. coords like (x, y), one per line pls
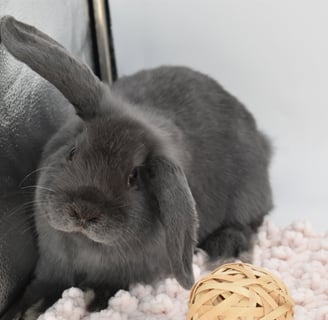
(84, 215)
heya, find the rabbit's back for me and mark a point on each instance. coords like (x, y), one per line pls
(229, 156)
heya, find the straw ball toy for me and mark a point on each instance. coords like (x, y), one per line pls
(240, 291)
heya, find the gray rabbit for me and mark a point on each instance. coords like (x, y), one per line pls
(161, 162)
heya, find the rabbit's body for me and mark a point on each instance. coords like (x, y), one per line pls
(225, 157)
(162, 161)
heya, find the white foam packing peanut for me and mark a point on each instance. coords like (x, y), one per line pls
(297, 254)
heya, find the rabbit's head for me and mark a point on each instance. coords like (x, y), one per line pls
(109, 175)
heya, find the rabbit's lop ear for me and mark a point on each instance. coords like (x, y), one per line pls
(54, 63)
(178, 216)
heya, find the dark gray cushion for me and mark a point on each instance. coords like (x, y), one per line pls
(31, 110)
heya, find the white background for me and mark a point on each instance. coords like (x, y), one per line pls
(273, 55)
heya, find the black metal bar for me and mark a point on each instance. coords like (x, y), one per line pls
(105, 62)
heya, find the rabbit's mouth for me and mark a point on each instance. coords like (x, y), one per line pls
(91, 232)
(64, 227)
(80, 232)
(93, 237)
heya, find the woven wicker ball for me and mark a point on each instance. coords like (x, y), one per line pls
(240, 291)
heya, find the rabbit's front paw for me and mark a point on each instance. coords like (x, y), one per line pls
(227, 242)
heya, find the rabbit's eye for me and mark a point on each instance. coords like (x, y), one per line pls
(71, 153)
(133, 176)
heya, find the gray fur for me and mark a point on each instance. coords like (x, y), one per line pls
(202, 179)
